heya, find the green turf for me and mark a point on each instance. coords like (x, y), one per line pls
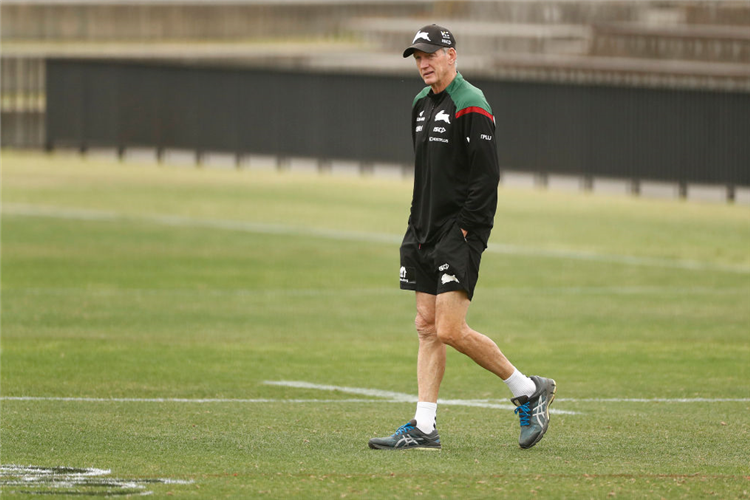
(102, 297)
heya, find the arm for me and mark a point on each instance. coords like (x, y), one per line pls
(484, 172)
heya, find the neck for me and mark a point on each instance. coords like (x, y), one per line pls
(437, 88)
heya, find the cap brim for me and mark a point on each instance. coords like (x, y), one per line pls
(424, 47)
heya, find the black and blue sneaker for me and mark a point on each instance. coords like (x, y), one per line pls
(406, 437)
(534, 411)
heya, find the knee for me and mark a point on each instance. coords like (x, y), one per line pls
(425, 328)
(450, 334)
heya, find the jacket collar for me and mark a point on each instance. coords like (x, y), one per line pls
(457, 81)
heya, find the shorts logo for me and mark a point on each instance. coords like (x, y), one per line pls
(447, 278)
(443, 267)
(407, 275)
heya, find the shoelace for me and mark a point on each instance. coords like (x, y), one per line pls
(404, 429)
(524, 413)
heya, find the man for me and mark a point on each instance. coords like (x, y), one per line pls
(452, 211)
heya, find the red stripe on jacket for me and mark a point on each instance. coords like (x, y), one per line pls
(475, 109)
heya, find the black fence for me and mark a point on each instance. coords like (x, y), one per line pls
(682, 136)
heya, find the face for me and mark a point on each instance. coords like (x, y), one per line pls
(436, 69)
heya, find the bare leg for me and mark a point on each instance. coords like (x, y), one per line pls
(431, 356)
(451, 327)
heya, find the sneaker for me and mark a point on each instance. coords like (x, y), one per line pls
(534, 411)
(407, 436)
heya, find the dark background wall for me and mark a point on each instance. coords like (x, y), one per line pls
(549, 128)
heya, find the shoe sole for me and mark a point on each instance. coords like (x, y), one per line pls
(546, 414)
(427, 448)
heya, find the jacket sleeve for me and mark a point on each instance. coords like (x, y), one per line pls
(414, 114)
(484, 172)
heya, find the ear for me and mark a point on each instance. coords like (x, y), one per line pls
(452, 55)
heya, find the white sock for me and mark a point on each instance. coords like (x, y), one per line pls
(520, 385)
(426, 416)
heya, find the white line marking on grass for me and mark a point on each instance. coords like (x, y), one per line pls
(374, 291)
(488, 403)
(31, 470)
(383, 397)
(20, 209)
(692, 265)
(399, 396)
(238, 292)
(37, 480)
(478, 403)
(181, 221)
(617, 290)
(396, 396)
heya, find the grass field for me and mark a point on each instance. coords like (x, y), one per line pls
(155, 319)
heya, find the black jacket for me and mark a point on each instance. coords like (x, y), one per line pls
(456, 168)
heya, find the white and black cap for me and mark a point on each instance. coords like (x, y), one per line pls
(431, 38)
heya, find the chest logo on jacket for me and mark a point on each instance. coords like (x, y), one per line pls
(443, 116)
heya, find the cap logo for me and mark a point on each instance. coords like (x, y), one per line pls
(421, 34)
(446, 37)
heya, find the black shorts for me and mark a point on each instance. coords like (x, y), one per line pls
(450, 264)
